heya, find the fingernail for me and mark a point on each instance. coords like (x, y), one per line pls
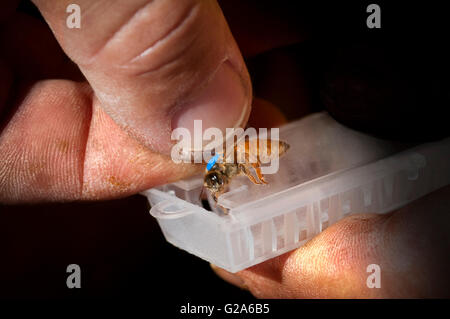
(223, 103)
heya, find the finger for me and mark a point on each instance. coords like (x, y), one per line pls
(59, 146)
(265, 114)
(157, 65)
(410, 246)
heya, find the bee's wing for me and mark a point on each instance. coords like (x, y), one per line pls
(251, 150)
(246, 151)
(262, 150)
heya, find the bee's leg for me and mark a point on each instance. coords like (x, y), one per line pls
(260, 175)
(244, 169)
(215, 197)
(224, 210)
(217, 194)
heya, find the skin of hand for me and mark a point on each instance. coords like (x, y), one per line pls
(151, 66)
(65, 138)
(411, 245)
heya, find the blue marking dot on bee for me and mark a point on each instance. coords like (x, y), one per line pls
(212, 161)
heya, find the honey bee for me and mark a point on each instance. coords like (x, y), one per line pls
(218, 175)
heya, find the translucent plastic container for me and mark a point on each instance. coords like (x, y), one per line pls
(330, 171)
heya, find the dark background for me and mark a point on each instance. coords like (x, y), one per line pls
(117, 244)
(393, 82)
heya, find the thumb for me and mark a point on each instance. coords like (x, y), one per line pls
(156, 65)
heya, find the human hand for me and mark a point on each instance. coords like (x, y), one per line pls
(411, 246)
(150, 66)
(63, 139)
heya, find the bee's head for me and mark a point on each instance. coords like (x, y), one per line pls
(214, 181)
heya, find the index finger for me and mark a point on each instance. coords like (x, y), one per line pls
(409, 245)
